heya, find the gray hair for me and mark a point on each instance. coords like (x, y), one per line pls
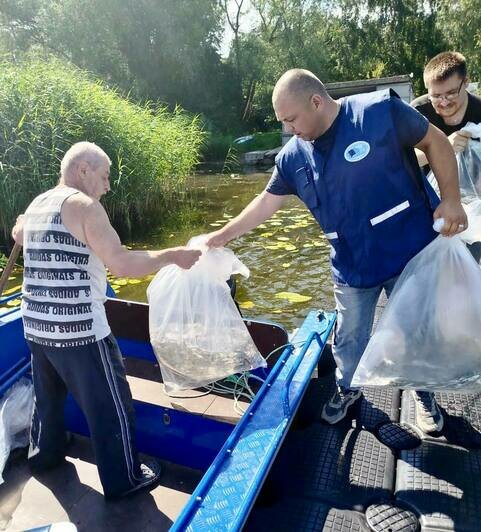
(83, 151)
(299, 83)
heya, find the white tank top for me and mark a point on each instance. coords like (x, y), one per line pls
(64, 282)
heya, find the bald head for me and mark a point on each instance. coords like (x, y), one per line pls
(86, 152)
(303, 105)
(299, 84)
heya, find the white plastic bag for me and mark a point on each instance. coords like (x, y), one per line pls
(469, 167)
(196, 331)
(16, 408)
(429, 336)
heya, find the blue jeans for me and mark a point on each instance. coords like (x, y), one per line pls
(355, 315)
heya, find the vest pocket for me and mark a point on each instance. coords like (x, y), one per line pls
(390, 213)
(305, 187)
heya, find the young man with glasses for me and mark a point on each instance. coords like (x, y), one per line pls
(449, 106)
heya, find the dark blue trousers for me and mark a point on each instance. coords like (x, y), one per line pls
(95, 375)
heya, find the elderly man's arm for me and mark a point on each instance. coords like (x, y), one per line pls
(96, 231)
(17, 230)
(441, 159)
(257, 211)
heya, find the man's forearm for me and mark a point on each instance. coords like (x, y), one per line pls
(445, 169)
(440, 157)
(258, 211)
(137, 263)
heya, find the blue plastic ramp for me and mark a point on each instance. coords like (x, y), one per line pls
(227, 492)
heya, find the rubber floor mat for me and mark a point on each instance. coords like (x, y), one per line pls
(442, 484)
(344, 467)
(378, 406)
(293, 515)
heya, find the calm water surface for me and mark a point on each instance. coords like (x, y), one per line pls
(288, 253)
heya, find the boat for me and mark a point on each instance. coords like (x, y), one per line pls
(274, 466)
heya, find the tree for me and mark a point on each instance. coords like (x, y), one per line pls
(160, 50)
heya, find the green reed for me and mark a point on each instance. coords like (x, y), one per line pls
(46, 106)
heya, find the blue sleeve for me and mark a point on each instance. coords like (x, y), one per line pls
(278, 185)
(410, 124)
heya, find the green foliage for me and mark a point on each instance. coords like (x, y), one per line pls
(261, 141)
(155, 50)
(219, 147)
(168, 50)
(216, 146)
(460, 21)
(47, 106)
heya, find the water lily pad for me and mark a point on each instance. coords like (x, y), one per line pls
(293, 297)
(12, 290)
(246, 304)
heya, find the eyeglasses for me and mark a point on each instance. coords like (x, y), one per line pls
(449, 96)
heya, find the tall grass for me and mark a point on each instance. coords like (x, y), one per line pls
(46, 106)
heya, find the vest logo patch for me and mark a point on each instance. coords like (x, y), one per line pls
(357, 151)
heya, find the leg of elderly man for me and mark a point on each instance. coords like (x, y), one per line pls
(95, 375)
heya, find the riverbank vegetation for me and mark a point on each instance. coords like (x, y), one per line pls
(112, 56)
(46, 106)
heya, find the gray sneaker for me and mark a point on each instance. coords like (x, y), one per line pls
(336, 408)
(428, 415)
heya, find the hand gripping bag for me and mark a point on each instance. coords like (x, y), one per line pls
(469, 167)
(196, 331)
(429, 336)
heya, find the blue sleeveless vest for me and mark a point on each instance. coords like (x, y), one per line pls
(368, 194)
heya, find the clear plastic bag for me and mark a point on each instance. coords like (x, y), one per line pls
(196, 331)
(429, 336)
(16, 408)
(469, 170)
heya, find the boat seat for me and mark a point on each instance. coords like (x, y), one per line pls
(146, 385)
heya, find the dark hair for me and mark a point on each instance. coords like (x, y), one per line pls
(445, 65)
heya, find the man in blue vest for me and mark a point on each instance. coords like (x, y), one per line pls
(352, 163)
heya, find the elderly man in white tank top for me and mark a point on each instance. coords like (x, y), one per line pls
(68, 242)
